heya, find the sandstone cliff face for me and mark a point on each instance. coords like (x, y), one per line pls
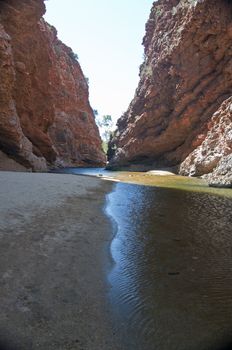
(45, 116)
(214, 156)
(186, 75)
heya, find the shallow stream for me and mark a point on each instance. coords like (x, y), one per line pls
(172, 278)
(171, 281)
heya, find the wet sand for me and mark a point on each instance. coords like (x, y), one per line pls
(54, 248)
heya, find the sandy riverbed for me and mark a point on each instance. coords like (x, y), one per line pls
(54, 240)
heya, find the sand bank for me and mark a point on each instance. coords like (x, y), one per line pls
(54, 240)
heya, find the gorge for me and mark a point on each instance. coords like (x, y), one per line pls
(181, 114)
(97, 259)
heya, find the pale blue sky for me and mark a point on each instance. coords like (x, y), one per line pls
(107, 36)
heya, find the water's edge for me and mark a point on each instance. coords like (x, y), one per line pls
(168, 275)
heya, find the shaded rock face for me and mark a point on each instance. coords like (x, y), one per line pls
(222, 174)
(46, 118)
(186, 75)
(214, 156)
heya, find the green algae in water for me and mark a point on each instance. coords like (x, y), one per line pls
(145, 178)
(171, 181)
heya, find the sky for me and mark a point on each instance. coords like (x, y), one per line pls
(106, 35)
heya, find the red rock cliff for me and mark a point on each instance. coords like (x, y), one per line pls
(186, 76)
(46, 118)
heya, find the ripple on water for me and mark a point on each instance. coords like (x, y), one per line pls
(172, 281)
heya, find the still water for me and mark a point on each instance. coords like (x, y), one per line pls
(85, 171)
(171, 279)
(171, 283)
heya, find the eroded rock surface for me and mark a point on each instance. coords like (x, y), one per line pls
(214, 156)
(186, 76)
(46, 118)
(222, 174)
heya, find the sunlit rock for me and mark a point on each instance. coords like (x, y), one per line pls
(185, 77)
(46, 119)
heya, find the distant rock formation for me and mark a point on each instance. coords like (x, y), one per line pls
(185, 78)
(45, 115)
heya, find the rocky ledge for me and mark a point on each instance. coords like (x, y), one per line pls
(180, 115)
(46, 119)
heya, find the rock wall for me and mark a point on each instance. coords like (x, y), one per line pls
(45, 115)
(185, 77)
(214, 156)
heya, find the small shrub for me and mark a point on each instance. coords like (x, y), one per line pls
(105, 146)
(158, 11)
(95, 112)
(87, 80)
(73, 56)
(146, 71)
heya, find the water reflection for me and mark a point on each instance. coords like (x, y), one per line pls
(172, 278)
(85, 171)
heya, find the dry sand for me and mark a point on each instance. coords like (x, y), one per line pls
(54, 256)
